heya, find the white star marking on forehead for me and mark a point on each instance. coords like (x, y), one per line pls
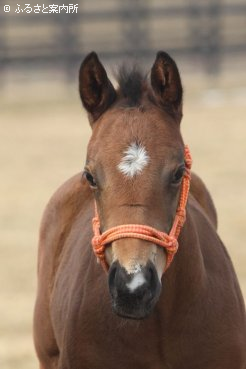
(134, 161)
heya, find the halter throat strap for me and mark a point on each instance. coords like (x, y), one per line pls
(168, 241)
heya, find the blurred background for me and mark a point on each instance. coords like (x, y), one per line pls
(44, 130)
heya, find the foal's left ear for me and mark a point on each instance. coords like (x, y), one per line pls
(96, 91)
(166, 83)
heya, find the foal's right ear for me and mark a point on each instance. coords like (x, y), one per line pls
(96, 91)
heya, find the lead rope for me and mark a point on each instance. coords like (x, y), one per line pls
(167, 241)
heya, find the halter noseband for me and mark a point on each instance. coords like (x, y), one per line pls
(167, 241)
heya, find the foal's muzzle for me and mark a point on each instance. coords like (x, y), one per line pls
(134, 295)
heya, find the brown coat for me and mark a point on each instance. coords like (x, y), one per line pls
(199, 319)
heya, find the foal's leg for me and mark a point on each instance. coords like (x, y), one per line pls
(44, 340)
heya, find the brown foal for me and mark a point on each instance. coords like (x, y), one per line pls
(135, 316)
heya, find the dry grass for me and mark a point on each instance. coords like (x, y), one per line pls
(42, 144)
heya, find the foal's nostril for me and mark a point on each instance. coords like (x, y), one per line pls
(133, 294)
(153, 277)
(140, 287)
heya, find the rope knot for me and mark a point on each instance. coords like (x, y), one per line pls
(172, 245)
(96, 242)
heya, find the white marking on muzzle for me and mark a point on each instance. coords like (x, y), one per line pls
(137, 281)
(134, 161)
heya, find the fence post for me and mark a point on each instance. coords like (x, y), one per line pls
(134, 25)
(205, 33)
(213, 52)
(68, 40)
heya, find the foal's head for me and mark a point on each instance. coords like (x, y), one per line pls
(134, 166)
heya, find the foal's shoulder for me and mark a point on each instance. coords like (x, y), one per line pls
(69, 197)
(68, 200)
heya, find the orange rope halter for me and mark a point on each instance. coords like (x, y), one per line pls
(168, 241)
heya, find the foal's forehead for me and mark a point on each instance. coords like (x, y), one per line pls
(135, 136)
(142, 123)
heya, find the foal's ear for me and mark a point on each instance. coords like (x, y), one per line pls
(96, 91)
(166, 83)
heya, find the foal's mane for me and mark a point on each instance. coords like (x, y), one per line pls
(132, 83)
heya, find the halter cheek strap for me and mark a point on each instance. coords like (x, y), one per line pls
(168, 241)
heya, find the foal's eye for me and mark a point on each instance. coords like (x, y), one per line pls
(178, 175)
(89, 177)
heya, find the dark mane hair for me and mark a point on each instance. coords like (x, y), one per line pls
(132, 82)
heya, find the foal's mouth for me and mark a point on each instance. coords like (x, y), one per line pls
(135, 313)
(134, 295)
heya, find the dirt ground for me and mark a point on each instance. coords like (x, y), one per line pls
(43, 142)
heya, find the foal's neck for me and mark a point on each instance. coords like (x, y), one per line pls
(185, 280)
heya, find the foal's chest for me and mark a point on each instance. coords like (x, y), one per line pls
(91, 336)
